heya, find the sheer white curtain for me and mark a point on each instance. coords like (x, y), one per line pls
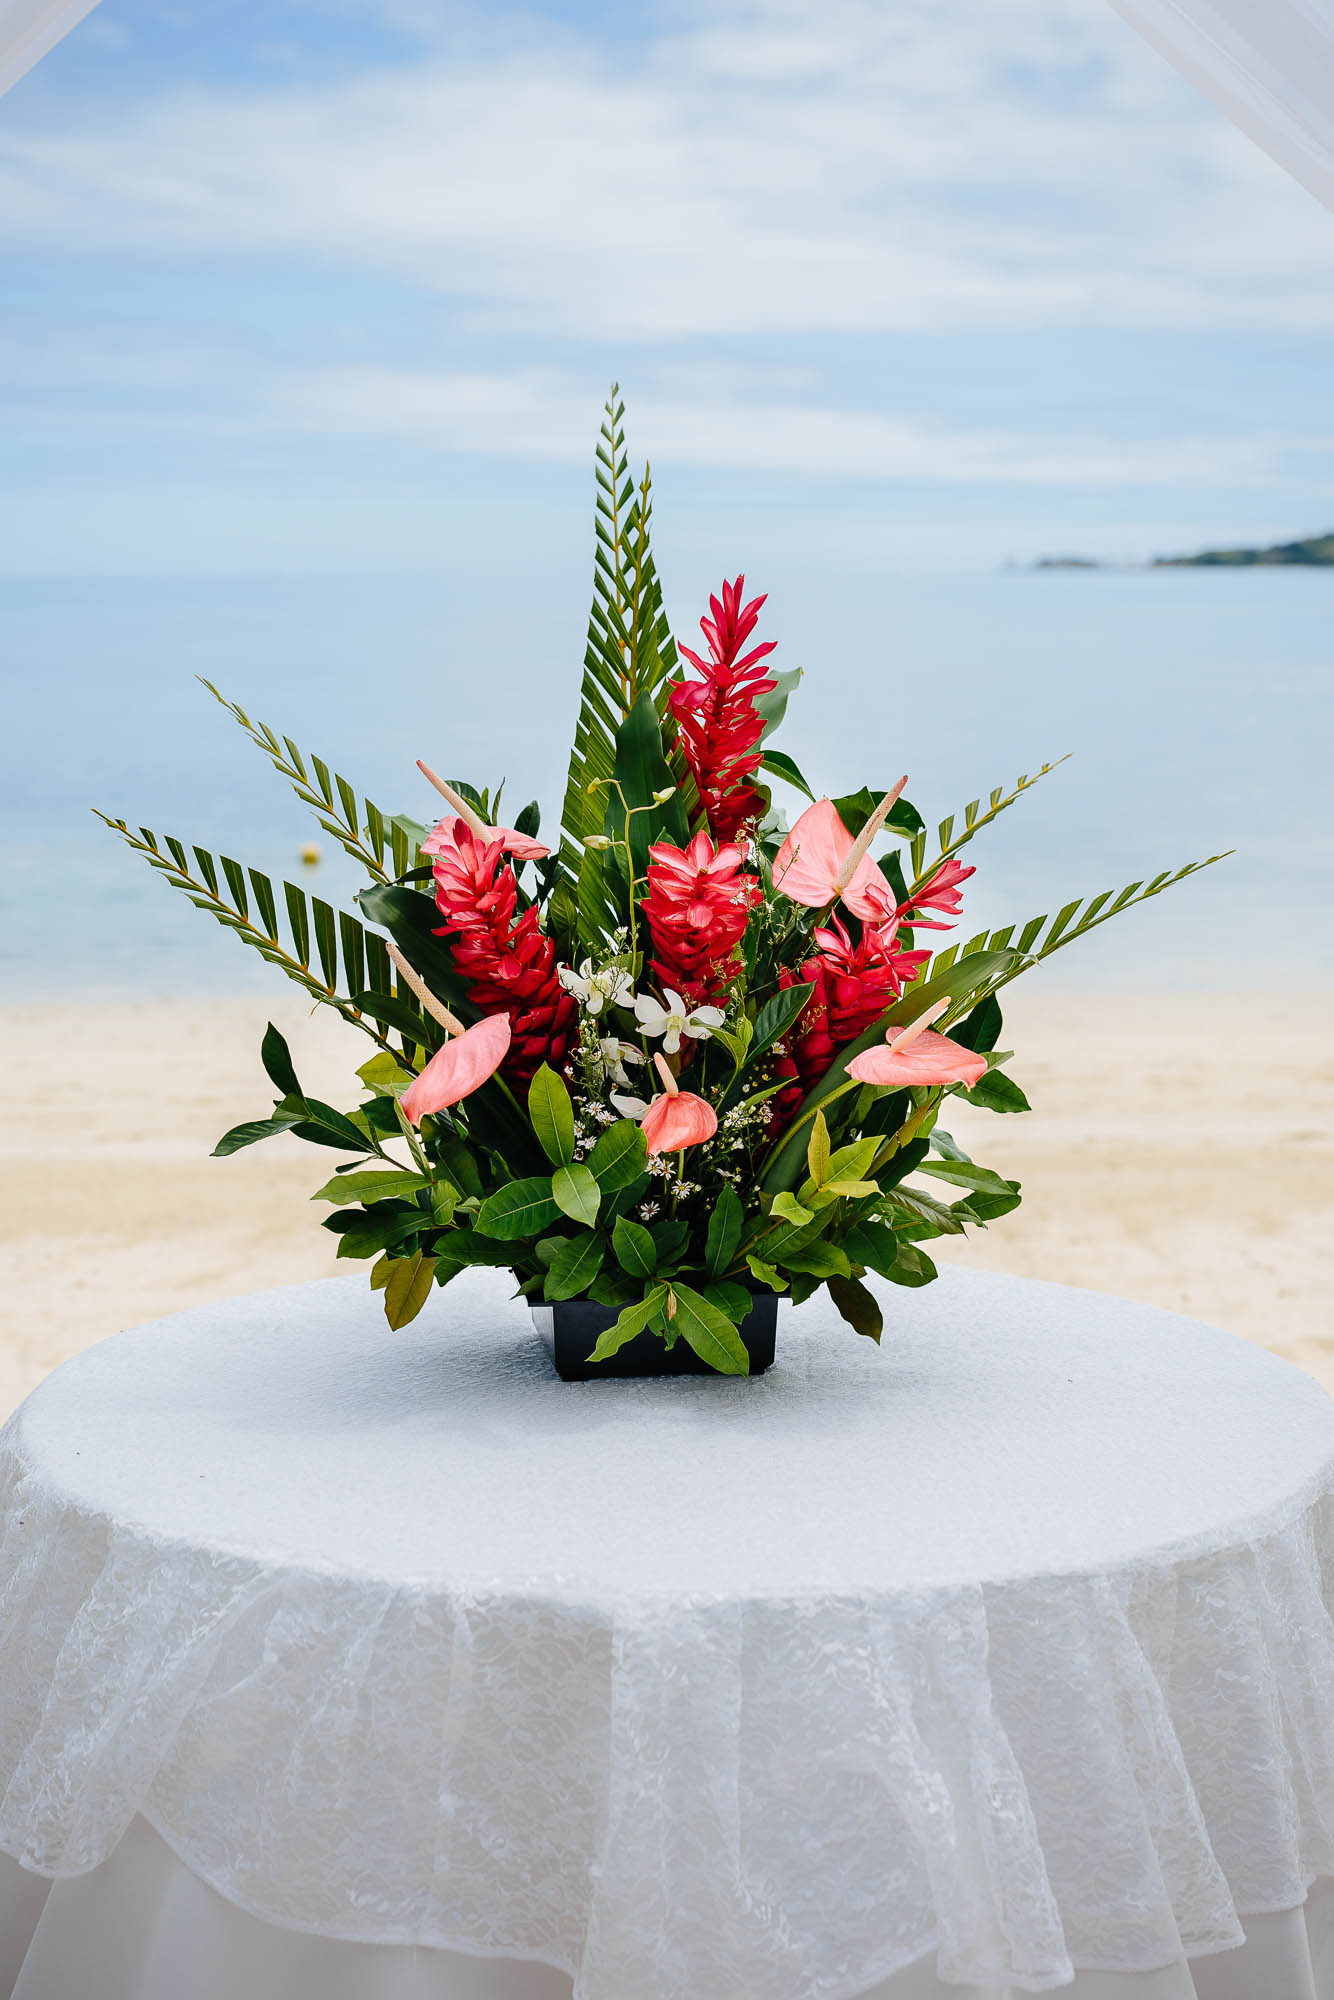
(28, 28)
(1269, 64)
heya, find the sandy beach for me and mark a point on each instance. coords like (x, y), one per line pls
(1180, 1150)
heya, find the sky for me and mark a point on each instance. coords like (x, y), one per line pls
(338, 286)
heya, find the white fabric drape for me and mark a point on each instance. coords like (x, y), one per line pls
(1269, 64)
(142, 1927)
(28, 28)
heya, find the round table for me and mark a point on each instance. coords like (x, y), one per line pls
(371, 1664)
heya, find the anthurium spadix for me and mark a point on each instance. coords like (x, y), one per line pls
(820, 861)
(919, 1056)
(463, 1063)
(517, 844)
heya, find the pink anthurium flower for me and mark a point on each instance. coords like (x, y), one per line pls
(465, 1061)
(820, 861)
(458, 1067)
(917, 1056)
(440, 838)
(677, 1118)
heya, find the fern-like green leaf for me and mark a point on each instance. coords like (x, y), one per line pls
(975, 817)
(357, 825)
(333, 932)
(1041, 936)
(629, 652)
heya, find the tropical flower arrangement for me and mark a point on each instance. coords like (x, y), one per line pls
(682, 1056)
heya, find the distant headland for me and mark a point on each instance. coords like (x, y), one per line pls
(1316, 552)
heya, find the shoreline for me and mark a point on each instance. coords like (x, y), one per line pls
(1180, 1150)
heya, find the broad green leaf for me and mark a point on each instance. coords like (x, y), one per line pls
(372, 1185)
(873, 1244)
(524, 1208)
(997, 1092)
(635, 1249)
(789, 1209)
(948, 1148)
(772, 705)
(982, 1029)
(818, 1260)
(642, 773)
(576, 1192)
(767, 1275)
(670, 1238)
(631, 1322)
(322, 1125)
(855, 808)
(724, 1232)
(817, 1150)
(985, 1206)
(574, 1267)
(964, 1174)
(277, 1060)
(552, 1114)
(780, 765)
(914, 1267)
(860, 1308)
(385, 1075)
(776, 1017)
(619, 1157)
(380, 1272)
(853, 1162)
(710, 1332)
(373, 1230)
(919, 1207)
(249, 1134)
(731, 1299)
(407, 1288)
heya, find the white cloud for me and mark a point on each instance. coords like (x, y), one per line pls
(775, 167)
(540, 414)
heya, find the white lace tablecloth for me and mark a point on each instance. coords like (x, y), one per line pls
(1008, 1642)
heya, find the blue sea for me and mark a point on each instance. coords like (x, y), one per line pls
(1197, 707)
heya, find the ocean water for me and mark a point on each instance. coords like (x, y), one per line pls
(1197, 707)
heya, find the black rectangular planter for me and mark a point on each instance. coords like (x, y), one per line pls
(577, 1323)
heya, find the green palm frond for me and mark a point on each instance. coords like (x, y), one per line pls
(629, 652)
(974, 819)
(1040, 937)
(322, 945)
(356, 824)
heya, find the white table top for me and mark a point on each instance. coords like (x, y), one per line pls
(1002, 1429)
(1010, 1639)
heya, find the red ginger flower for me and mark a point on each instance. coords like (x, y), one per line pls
(854, 984)
(716, 716)
(697, 907)
(509, 964)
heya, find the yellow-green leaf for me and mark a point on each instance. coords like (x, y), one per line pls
(408, 1288)
(817, 1149)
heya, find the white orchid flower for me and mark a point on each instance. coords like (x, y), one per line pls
(596, 990)
(675, 1020)
(629, 1107)
(615, 1055)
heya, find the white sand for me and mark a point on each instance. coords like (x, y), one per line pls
(1180, 1150)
